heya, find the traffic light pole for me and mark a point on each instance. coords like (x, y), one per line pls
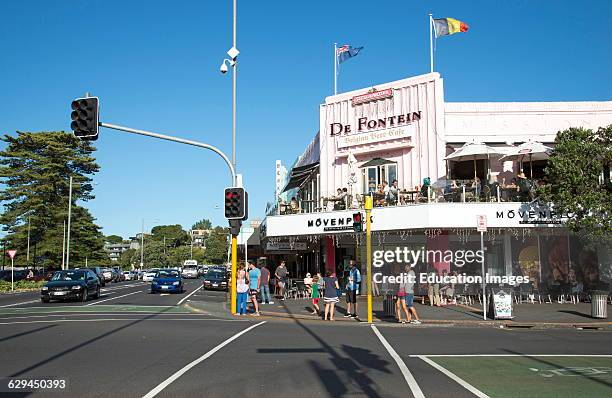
(175, 139)
(230, 165)
(368, 209)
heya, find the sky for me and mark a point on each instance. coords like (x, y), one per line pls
(155, 66)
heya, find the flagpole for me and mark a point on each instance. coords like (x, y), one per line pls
(431, 58)
(335, 68)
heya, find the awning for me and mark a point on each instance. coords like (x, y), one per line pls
(299, 175)
(376, 162)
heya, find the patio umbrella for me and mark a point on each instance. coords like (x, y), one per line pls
(352, 174)
(376, 162)
(535, 150)
(473, 151)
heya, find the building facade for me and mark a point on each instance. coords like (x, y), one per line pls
(404, 130)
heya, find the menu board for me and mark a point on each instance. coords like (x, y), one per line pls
(502, 304)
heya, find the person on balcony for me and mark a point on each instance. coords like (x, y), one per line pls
(424, 191)
(392, 194)
(294, 205)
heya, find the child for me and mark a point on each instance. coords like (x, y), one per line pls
(315, 295)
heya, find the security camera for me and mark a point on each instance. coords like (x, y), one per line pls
(223, 68)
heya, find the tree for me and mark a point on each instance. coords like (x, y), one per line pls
(129, 258)
(578, 181)
(216, 246)
(35, 170)
(113, 239)
(202, 224)
(174, 235)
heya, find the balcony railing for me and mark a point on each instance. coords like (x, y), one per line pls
(462, 194)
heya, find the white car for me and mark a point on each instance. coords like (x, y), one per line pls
(148, 276)
(190, 273)
(127, 275)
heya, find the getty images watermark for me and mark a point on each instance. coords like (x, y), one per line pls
(459, 258)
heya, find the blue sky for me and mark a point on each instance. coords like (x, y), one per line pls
(154, 64)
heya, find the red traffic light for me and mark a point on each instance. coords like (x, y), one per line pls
(357, 217)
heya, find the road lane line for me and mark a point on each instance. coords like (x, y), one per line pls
(456, 378)
(112, 298)
(511, 355)
(187, 367)
(125, 319)
(23, 302)
(189, 295)
(412, 383)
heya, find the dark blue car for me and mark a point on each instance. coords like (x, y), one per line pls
(167, 280)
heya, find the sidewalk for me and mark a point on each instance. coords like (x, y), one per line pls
(525, 315)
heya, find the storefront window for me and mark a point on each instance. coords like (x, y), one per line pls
(374, 176)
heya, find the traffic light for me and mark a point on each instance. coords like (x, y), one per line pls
(357, 222)
(85, 118)
(236, 205)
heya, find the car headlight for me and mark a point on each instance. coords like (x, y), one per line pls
(176, 283)
(45, 288)
(77, 287)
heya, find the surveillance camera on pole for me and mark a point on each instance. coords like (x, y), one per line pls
(85, 118)
(223, 68)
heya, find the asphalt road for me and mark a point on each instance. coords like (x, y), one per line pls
(136, 344)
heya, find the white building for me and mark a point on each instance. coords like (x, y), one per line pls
(404, 130)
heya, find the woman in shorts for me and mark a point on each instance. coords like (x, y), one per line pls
(331, 295)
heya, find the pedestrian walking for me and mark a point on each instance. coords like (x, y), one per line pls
(242, 289)
(254, 280)
(315, 295)
(281, 279)
(265, 285)
(405, 298)
(331, 295)
(433, 290)
(352, 288)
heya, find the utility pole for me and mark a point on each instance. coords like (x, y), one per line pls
(142, 246)
(64, 247)
(69, 218)
(28, 252)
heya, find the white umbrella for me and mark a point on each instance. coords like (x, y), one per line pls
(535, 150)
(473, 151)
(352, 174)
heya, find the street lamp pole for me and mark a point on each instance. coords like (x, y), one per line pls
(69, 219)
(234, 71)
(142, 246)
(28, 252)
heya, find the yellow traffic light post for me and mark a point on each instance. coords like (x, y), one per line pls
(233, 308)
(368, 209)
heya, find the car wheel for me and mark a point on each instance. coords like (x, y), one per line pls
(44, 300)
(84, 296)
(97, 295)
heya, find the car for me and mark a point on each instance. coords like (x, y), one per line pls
(97, 271)
(117, 274)
(76, 284)
(107, 274)
(167, 280)
(149, 275)
(215, 279)
(128, 275)
(189, 273)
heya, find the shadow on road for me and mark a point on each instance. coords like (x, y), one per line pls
(25, 333)
(350, 361)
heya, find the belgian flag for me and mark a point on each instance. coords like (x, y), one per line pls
(449, 26)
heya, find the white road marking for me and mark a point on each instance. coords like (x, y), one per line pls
(112, 298)
(456, 378)
(124, 319)
(89, 313)
(23, 302)
(414, 387)
(189, 295)
(511, 355)
(190, 365)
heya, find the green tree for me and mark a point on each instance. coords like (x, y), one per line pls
(35, 170)
(154, 255)
(113, 239)
(174, 235)
(578, 175)
(129, 258)
(216, 246)
(202, 224)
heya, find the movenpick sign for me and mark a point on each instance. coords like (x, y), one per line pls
(11, 253)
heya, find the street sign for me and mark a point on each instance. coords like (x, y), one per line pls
(11, 253)
(481, 225)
